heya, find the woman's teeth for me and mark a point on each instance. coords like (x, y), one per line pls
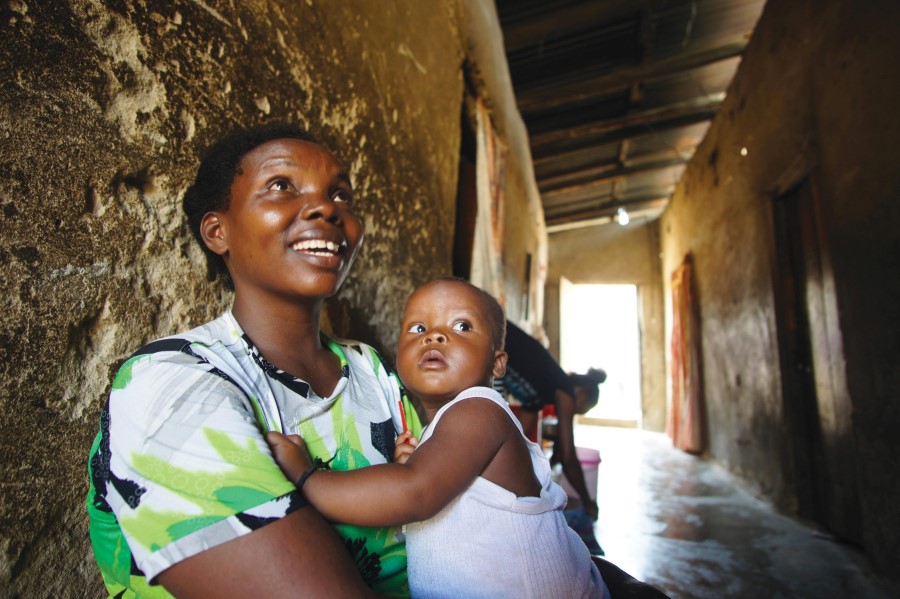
(318, 247)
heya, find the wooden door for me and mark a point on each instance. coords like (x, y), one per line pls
(817, 406)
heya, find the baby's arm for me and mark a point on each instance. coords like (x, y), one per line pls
(293, 458)
(468, 437)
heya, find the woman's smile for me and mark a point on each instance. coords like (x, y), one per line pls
(323, 252)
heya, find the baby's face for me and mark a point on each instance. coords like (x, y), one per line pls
(446, 342)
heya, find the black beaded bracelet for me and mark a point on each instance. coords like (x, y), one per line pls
(318, 464)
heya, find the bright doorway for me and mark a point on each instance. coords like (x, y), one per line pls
(599, 328)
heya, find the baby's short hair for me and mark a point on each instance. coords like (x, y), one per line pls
(492, 307)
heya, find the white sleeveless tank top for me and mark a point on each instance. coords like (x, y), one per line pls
(488, 543)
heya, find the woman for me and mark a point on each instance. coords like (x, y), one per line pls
(184, 491)
(535, 379)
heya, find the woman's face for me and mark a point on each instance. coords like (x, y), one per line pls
(289, 228)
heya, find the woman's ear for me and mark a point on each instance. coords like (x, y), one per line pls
(213, 233)
(500, 359)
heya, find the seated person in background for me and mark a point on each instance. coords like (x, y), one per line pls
(483, 517)
(536, 380)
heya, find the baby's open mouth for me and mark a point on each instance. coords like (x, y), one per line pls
(432, 358)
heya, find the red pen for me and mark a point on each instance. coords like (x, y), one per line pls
(402, 416)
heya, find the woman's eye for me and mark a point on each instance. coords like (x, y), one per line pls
(416, 328)
(462, 325)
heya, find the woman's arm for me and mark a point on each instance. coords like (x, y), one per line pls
(468, 437)
(565, 440)
(299, 555)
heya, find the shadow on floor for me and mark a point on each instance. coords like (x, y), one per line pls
(686, 526)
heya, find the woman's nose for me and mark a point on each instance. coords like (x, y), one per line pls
(321, 206)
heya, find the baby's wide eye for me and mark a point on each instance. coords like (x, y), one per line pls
(279, 185)
(462, 325)
(343, 195)
(416, 328)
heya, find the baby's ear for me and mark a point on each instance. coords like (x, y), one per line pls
(500, 359)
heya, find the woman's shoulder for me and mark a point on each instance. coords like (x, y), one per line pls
(221, 330)
(213, 343)
(359, 352)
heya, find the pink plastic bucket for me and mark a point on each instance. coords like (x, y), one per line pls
(590, 461)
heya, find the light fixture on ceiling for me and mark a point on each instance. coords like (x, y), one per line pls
(622, 217)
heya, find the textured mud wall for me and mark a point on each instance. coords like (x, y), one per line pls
(611, 254)
(524, 236)
(523, 216)
(816, 95)
(104, 108)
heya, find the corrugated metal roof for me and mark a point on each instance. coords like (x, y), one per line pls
(616, 94)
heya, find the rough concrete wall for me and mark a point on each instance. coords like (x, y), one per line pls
(857, 93)
(815, 94)
(104, 108)
(610, 254)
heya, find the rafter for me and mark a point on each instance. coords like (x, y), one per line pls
(558, 96)
(602, 174)
(608, 210)
(593, 197)
(603, 132)
(559, 22)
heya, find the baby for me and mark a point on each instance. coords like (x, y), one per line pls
(483, 517)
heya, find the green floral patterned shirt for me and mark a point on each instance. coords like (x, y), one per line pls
(180, 463)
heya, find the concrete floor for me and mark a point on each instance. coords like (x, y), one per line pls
(684, 525)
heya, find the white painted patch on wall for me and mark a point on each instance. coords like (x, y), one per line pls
(212, 11)
(263, 104)
(404, 50)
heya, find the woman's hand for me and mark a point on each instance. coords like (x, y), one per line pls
(290, 454)
(404, 447)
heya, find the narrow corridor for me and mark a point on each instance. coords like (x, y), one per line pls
(684, 525)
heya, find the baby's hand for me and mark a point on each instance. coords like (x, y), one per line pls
(290, 454)
(404, 447)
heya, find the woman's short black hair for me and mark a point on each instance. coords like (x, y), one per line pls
(590, 382)
(211, 190)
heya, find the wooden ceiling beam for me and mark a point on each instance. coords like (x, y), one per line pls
(589, 197)
(560, 22)
(548, 165)
(602, 174)
(608, 210)
(631, 125)
(558, 96)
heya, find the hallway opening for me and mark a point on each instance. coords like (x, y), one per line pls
(599, 328)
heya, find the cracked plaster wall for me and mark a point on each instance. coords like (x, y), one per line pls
(104, 109)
